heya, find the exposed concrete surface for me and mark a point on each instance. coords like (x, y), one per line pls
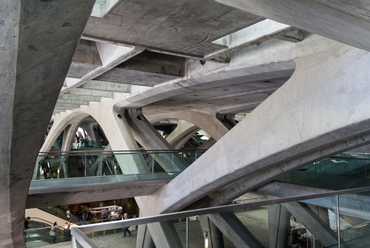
(297, 125)
(344, 22)
(39, 58)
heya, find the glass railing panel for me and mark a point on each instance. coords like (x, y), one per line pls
(57, 165)
(342, 171)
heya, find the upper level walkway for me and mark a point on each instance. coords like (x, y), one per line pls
(99, 173)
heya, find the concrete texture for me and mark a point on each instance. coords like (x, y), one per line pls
(39, 54)
(295, 117)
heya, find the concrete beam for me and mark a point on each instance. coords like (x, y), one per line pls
(234, 230)
(85, 59)
(344, 22)
(87, 92)
(68, 96)
(46, 192)
(254, 34)
(111, 56)
(106, 86)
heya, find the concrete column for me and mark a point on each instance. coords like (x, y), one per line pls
(150, 139)
(214, 234)
(32, 72)
(144, 240)
(164, 235)
(279, 226)
(234, 230)
(312, 222)
(10, 229)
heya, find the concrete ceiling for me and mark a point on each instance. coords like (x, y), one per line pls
(148, 43)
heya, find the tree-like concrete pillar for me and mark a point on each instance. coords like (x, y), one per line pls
(150, 139)
(279, 223)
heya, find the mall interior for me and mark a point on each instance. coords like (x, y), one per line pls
(211, 123)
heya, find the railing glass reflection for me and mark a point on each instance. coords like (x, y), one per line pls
(54, 165)
(342, 171)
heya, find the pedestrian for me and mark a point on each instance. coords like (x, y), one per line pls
(69, 215)
(53, 232)
(26, 223)
(67, 232)
(126, 229)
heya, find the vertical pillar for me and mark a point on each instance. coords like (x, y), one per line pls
(215, 237)
(279, 223)
(11, 221)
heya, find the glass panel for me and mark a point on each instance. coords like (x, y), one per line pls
(342, 171)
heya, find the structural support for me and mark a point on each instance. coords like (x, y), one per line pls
(214, 234)
(312, 222)
(348, 22)
(164, 235)
(32, 72)
(234, 230)
(279, 223)
(284, 132)
(150, 139)
(144, 240)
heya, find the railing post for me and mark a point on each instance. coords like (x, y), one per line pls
(85, 163)
(187, 232)
(338, 222)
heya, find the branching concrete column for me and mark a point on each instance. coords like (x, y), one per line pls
(279, 226)
(312, 222)
(234, 230)
(182, 133)
(150, 139)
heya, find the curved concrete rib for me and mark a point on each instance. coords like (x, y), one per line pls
(302, 118)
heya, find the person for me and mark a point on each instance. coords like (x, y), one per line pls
(68, 215)
(26, 223)
(53, 232)
(67, 232)
(83, 217)
(126, 229)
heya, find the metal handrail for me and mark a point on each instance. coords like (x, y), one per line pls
(78, 232)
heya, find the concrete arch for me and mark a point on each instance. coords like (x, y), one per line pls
(114, 126)
(207, 122)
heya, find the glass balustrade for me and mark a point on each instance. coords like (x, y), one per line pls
(56, 165)
(343, 171)
(340, 220)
